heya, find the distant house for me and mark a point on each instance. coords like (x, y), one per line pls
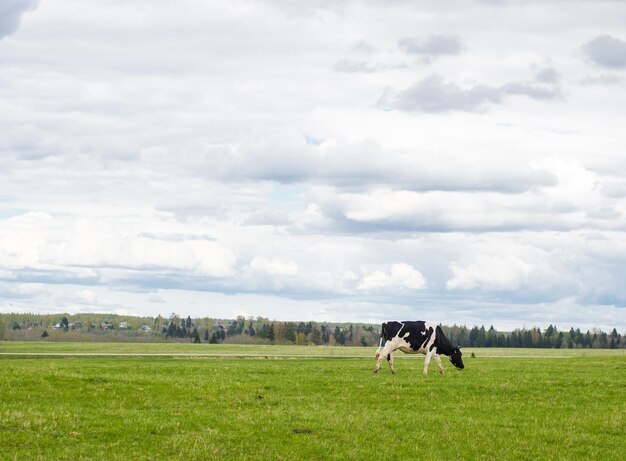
(106, 325)
(74, 325)
(146, 327)
(124, 326)
(57, 326)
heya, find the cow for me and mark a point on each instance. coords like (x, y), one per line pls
(413, 337)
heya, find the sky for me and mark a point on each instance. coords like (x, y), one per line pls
(350, 161)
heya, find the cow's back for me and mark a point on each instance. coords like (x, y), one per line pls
(394, 328)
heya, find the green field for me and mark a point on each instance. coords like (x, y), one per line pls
(170, 348)
(312, 403)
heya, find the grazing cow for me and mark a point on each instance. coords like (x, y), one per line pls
(416, 337)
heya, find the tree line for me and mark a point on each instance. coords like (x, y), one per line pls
(104, 327)
(550, 337)
(265, 331)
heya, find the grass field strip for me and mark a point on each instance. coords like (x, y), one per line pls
(258, 356)
(174, 354)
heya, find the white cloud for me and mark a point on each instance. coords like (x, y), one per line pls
(565, 206)
(274, 266)
(156, 298)
(490, 273)
(37, 241)
(401, 276)
(86, 297)
(434, 45)
(22, 290)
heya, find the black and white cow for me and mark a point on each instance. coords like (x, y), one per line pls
(416, 337)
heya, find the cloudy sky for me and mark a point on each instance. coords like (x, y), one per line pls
(319, 160)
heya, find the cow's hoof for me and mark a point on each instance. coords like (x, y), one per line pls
(375, 372)
(442, 372)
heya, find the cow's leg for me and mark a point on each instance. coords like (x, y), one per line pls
(438, 360)
(378, 351)
(390, 360)
(384, 352)
(427, 361)
(380, 348)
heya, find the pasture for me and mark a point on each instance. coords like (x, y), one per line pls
(310, 403)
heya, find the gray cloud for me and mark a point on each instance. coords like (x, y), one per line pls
(442, 212)
(29, 142)
(433, 94)
(363, 164)
(548, 75)
(11, 12)
(604, 80)
(530, 89)
(434, 45)
(606, 51)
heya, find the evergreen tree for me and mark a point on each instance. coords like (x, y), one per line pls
(325, 333)
(473, 336)
(491, 339)
(339, 335)
(482, 337)
(171, 331)
(264, 331)
(290, 334)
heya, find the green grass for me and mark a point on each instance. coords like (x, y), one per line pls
(60, 348)
(308, 408)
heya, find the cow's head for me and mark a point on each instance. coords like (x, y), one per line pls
(456, 359)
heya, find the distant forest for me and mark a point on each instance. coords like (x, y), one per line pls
(175, 328)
